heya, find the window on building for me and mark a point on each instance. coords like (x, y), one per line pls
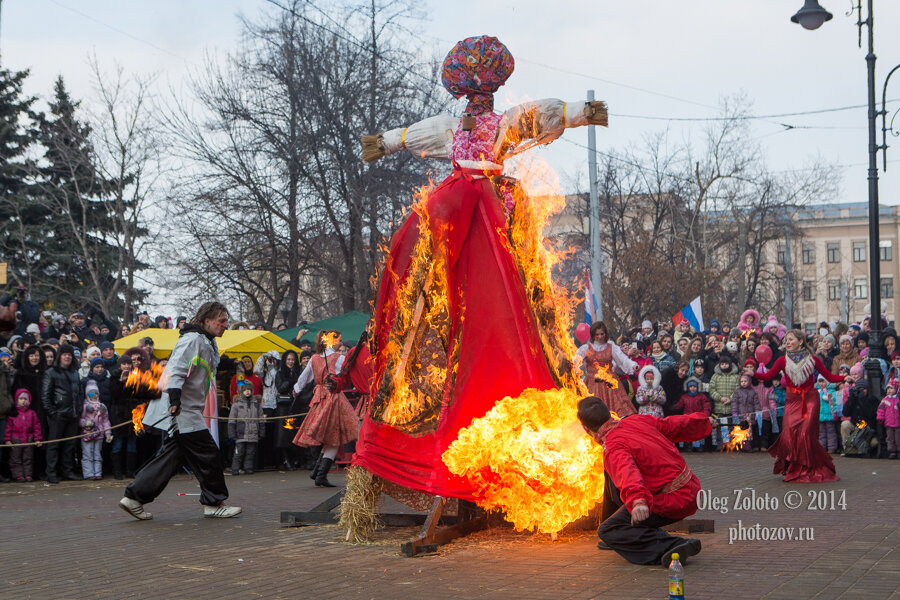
(834, 289)
(809, 254)
(887, 287)
(809, 290)
(860, 288)
(809, 328)
(885, 250)
(834, 252)
(859, 252)
(780, 258)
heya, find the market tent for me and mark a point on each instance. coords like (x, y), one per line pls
(234, 343)
(351, 325)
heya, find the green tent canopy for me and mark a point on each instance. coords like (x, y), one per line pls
(351, 325)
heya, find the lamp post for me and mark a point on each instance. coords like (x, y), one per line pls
(811, 16)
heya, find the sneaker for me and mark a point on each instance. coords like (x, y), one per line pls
(20, 480)
(221, 511)
(685, 549)
(28, 480)
(135, 509)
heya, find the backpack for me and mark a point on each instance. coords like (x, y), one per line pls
(858, 441)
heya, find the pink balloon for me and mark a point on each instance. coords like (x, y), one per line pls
(763, 354)
(583, 332)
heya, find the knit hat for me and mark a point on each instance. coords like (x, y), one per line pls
(745, 376)
(33, 328)
(895, 354)
(91, 349)
(863, 336)
(104, 345)
(731, 347)
(847, 338)
(91, 386)
(97, 361)
(856, 370)
(714, 323)
(4, 353)
(646, 325)
(855, 326)
(65, 349)
(894, 383)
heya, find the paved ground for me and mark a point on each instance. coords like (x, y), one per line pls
(70, 541)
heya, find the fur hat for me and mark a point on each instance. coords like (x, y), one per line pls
(691, 381)
(649, 369)
(744, 325)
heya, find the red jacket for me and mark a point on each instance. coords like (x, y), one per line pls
(640, 456)
(688, 404)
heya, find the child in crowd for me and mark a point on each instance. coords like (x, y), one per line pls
(23, 428)
(649, 397)
(721, 386)
(744, 406)
(830, 409)
(701, 374)
(692, 401)
(854, 373)
(94, 427)
(245, 433)
(893, 371)
(888, 416)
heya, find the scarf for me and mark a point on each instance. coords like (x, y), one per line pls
(798, 366)
(604, 430)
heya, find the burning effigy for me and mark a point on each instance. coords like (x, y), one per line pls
(474, 390)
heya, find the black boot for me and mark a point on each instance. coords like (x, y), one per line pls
(117, 460)
(130, 464)
(322, 475)
(286, 459)
(314, 474)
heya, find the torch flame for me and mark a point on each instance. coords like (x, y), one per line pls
(862, 424)
(145, 379)
(137, 416)
(604, 375)
(738, 437)
(331, 339)
(289, 424)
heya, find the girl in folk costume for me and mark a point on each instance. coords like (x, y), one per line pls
(798, 454)
(331, 422)
(749, 321)
(649, 397)
(601, 354)
(468, 250)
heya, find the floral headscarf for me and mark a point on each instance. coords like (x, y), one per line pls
(476, 67)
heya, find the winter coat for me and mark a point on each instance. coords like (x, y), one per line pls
(94, 421)
(24, 426)
(650, 399)
(7, 404)
(663, 362)
(267, 373)
(722, 385)
(888, 412)
(246, 431)
(830, 404)
(849, 359)
(672, 385)
(861, 405)
(743, 402)
(698, 403)
(61, 392)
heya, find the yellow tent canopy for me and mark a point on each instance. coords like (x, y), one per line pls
(234, 343)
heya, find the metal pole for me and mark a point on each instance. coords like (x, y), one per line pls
(873, 369)
(788, 288)
(596, 252)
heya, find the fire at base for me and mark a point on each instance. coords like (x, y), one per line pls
(530, 457)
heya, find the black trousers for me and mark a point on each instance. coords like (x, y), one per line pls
(244, 456)
(204, 458)
(642, 544)
(61, 455)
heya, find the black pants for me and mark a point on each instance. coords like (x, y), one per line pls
(244, 457)
(642, 544)
(61, 455)
(204, 458)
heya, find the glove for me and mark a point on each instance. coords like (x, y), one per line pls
(174, 401)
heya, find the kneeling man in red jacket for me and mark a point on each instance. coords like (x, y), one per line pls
(655, 485)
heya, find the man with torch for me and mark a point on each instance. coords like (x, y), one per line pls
(191, 391)
(656, 487)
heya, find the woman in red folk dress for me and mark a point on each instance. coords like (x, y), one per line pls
(798, 454)
(331, 421)
(599, 353)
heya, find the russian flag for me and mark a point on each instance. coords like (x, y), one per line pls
(590, 301)
(693, 313)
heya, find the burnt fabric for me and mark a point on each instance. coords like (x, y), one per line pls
(204, 458)
(493, 347)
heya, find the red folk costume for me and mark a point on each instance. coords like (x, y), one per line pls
(598, 356)
(331, 420)
(457, 329)
(798, 454)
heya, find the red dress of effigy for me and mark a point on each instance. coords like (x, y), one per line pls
(798, 454)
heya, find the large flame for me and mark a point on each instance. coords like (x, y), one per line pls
(530, 457)
(604, 375)
(738, 437)
(145, 380)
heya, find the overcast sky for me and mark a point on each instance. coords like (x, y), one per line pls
(646, 58)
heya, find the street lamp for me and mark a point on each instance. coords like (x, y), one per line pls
(811, 16)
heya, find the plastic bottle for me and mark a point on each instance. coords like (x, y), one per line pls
(676, 579)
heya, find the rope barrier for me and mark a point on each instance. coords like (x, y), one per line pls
(124, 423)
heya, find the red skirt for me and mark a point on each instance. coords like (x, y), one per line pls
(616, 399)
(798, 454)
(331, 421)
